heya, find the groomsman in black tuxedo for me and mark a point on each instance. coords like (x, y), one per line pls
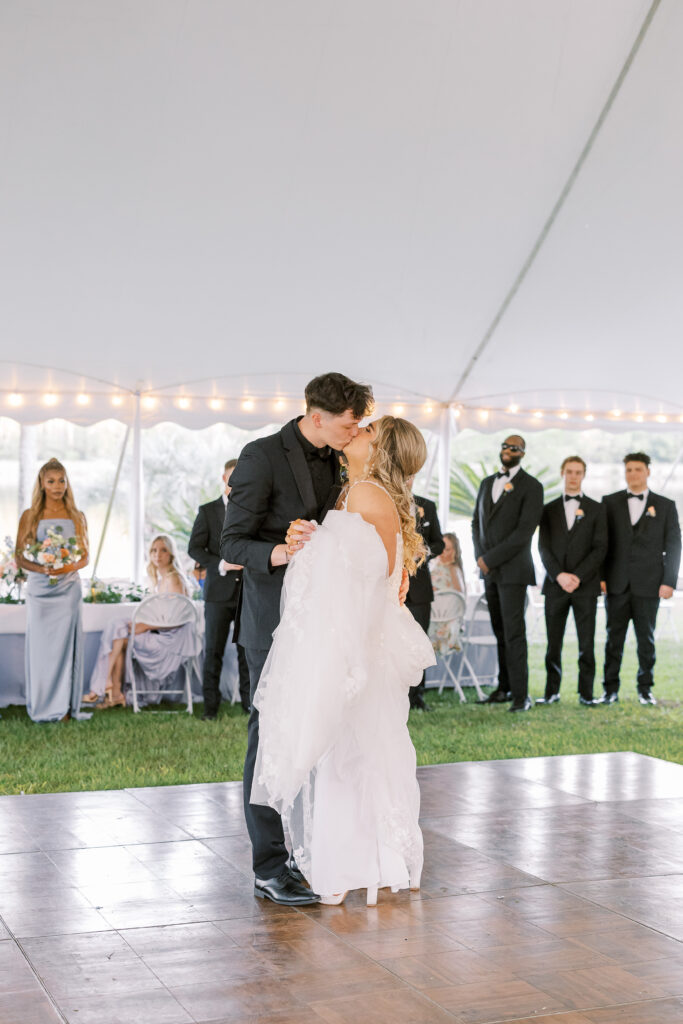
(507, 511)
(293, 474)
(221, 593)
(641, 567)
(572, 543)
(421, 591)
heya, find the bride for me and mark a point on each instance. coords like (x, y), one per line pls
(335, 757)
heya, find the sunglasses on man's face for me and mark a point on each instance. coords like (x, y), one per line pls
(511, 448)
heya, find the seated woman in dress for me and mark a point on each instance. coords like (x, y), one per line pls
(447, 574)
(54, 630)
(159, 651)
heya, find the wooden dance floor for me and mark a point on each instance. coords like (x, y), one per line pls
(552, 892)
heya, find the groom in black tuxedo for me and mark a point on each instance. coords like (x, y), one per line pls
(221, 593)
(642, 563)
(572, 542)
(507, 511)
(290, 475)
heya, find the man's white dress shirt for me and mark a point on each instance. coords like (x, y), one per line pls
(500, 482)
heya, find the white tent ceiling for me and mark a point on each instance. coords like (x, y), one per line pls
(212, 201)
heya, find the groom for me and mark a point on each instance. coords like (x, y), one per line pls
(293, 474)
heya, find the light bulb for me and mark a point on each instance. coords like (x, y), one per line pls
(538, 415)
(248, 404)
(149, 402)
(564, 415)
(15, 399)
(215, 404)
(183, 403)
(513, 407)
(399, 410)
(83, 399)
(50, 398)
(589, 417)
(117, 400)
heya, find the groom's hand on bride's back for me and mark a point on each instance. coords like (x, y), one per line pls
(403, 590)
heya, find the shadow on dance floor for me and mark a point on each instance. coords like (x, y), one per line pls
(552, 893)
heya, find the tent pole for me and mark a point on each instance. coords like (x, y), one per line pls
(137, 506)
(674, 467)
(27, 461)
(445, 467)
(111, 502)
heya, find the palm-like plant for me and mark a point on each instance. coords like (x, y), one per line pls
(466, 481)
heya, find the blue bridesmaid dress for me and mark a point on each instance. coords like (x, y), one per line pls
(54, 640)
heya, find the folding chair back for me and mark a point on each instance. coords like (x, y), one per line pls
(448, 608)
(478, 634)
(165, 611)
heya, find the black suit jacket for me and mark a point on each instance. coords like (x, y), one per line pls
(502, 531)
(643, 557)
(205, 548)
(580, 550)
(421, 590)
(270, 486)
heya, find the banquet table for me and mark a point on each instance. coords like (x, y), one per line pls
(95, 618)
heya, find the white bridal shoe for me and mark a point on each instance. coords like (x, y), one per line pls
(335, 900)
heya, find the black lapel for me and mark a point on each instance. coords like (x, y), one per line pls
(336, 486)
(647, 502)
(219, 509)
(297, 463)
(487, 499)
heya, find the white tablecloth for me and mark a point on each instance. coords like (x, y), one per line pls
(95, 618)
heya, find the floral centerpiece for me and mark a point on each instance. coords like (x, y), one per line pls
(11, 575)
(55, 552)
(103, 593)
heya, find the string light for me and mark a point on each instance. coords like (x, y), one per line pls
(50, 398)
(616, 413)
(83, 399)
(429, 409)
(248, 404)
(456, 413)
(564, 415)
(399, 410)
(513, 408)
(661, 419)
(117, 400)
(538, 415)
(183, 403)
(483, 415)
(280, 403)
(589, 417)
(215, 404)
(15, 399)
(149, 402)
(639, 418)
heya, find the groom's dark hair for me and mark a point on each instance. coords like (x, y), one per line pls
(335, 393)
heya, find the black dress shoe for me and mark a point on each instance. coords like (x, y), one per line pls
(608, 698)
(586, 703)
(645, 697)
(209, 716)
(294, 871)
(284, 890)
(418, 704)
(526, 706)
(554, 698)
(497, 697)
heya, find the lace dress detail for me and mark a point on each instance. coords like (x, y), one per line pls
(335, 757)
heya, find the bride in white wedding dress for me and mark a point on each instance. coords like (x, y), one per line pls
(335, 757)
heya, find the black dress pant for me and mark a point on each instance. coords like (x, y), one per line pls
(642, 611)
(264, 825)
(422, 614)
(217, 618)
(506, 607)
(584, 606)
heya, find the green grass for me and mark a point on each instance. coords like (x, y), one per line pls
(118, 749)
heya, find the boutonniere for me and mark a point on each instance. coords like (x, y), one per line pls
(579, 515)
(651, 512)
(509, 487)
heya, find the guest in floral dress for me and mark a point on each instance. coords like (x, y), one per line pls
(447, 574)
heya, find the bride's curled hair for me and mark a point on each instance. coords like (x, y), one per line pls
(398, 451)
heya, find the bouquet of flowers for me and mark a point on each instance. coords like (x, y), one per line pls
(11, 575)
(54, 552)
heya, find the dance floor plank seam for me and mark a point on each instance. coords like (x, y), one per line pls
(552, 892)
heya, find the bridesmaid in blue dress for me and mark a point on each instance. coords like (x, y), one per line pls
(54, 631)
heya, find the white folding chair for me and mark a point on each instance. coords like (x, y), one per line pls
(476, 640)
(448, 608)
(165, 611)
(535, 611)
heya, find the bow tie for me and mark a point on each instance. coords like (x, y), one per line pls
(572, 497)
(638, 497)
(319, 453)
(503, 472)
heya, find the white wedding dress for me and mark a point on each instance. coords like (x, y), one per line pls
(335, 757)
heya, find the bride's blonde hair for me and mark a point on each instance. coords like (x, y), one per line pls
(397, 452)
